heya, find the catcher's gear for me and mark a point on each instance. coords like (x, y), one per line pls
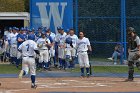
(136, 56)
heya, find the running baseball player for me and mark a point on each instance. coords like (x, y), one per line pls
(13, 46)
(43, 44)
(71, 48)
(61, 47)
(83, 45)
(134, 52)
(27, 49)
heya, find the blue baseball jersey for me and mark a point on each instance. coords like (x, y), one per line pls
(32, 36)
(23, 37)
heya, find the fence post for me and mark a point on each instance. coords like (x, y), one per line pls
(76, 17)
(123, 28)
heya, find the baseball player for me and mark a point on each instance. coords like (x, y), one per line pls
(21, 37)
(51, 37)
(61, 47)
(43, 44)
(83, 45)
(6, 46)
(56, 39)
(70, 49)
(13, 45)
(133, 50)
(28, 60)
(31, 34)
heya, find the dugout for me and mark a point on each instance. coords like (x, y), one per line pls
(10, 19)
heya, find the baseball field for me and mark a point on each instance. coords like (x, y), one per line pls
(105, 79)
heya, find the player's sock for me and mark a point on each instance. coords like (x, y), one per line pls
(12, 60)
(54, 61)
(87, 70)
(60, 62)
(33, 79)
(82, 71)
(15, 59)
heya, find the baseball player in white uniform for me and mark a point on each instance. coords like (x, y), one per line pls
(83, 45)
(28, 49)
(70, 50)
(12, 39)
(51, 37)
(43, 44)
(61, 47)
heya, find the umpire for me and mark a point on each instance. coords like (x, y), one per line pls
(134, 52)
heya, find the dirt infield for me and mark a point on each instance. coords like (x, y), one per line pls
(72, 84)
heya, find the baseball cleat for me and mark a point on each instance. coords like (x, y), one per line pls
(34, 86)
(110, 58)
(88, 75)
(21, 74)
(82, 76)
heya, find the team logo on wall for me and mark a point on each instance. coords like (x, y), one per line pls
(51, 14)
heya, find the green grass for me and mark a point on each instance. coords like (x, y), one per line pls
(11, 69)
(8, 69)
(108, 69)
(99, 59)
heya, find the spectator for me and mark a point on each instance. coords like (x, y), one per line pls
(118, 52)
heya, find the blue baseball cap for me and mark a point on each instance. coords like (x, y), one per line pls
(14, 28)
(10, 28)
(59, 28)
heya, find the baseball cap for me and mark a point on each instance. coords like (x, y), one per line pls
(59, 28)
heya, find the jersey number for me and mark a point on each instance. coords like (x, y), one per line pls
(27, 47)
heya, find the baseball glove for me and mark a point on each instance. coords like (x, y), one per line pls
(136, 56)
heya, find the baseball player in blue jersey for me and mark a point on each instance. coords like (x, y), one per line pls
(21, 37)
(31, 34)
(28, 49)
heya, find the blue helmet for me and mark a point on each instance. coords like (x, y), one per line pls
(68, 40)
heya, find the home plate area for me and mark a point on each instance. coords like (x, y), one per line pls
(70, 85)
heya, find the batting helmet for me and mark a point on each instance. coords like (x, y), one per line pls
(68, 40)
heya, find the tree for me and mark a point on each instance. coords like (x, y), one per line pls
(12, 6)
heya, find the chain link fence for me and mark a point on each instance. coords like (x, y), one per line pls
(101, 22)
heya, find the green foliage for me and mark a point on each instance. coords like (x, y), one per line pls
(12, 6)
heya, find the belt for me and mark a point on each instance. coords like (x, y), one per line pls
(29, 56)
(134, 50)
(43, 49)
(82, 51)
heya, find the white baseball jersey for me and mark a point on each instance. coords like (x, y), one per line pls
(28, 48)
(7, 34)
(56, 39)
(82, 44)
(52, 36)
(42, 42)
(62, 38)
(13, 38)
